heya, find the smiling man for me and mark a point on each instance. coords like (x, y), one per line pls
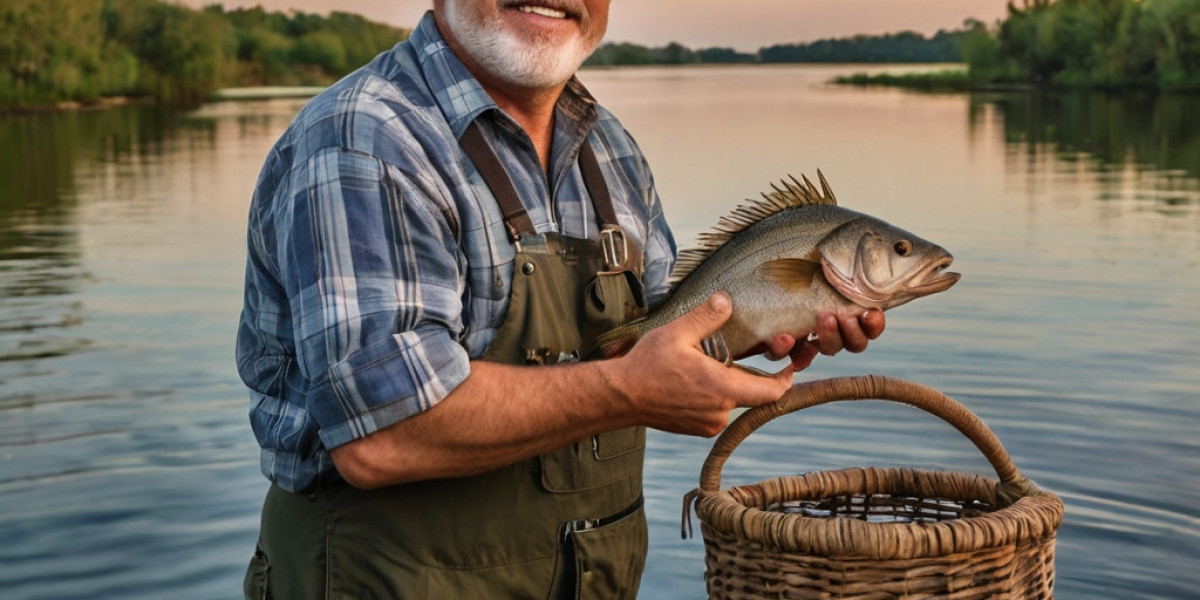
(431, 243)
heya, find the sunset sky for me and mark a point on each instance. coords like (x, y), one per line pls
(742, 24)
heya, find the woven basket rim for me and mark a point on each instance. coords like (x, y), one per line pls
(1034, 516)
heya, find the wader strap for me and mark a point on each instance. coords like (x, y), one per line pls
(497, 180)
(593, 180)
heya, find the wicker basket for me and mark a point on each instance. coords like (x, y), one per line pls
(873, 533)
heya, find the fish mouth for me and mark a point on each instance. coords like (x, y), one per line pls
(934, 278)
(929, 279)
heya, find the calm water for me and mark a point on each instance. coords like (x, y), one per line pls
(127, 467)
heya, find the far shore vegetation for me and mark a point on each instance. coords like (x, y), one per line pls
(56, 53)
(1073, 44)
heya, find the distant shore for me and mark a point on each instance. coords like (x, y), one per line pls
(264, 92)
(65, 105)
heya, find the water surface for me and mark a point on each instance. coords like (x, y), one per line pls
(128, 470)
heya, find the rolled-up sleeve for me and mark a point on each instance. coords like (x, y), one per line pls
(372, 273)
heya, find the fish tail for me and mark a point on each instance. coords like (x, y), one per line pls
(616, 342)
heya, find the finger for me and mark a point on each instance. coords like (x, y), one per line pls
(780, 346)
(829, 335)
(748, 389)
(872, 323)
(803, 355)
(853, 337)
(706, 319)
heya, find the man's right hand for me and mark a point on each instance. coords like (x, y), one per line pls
(670, 384)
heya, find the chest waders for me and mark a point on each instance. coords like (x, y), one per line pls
(568, 524)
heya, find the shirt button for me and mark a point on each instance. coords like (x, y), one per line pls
(527, 268)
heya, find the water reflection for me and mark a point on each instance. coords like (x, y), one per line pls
(1153, 133)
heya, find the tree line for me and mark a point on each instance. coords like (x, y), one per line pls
(54, 51)
(1089, 44)
(906, 46)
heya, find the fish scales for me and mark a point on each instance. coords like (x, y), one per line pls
(786, 259)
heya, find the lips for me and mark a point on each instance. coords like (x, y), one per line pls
(550, 10)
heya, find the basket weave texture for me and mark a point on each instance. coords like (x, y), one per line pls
(871, 533)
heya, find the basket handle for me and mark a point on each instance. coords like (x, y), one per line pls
(864, 387)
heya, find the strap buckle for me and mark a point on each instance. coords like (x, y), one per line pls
(615, 246)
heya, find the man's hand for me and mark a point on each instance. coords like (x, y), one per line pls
(674, 386)
(833, 334)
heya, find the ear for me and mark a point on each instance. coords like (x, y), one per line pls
(791, 273)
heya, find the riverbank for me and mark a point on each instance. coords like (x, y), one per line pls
(949, 80)
(264, 92)
(67, 105)
(219, 95)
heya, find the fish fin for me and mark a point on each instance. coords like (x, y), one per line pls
(787, 194)
(715, 347)
(791, 273)
(616, 342)
(754, 371)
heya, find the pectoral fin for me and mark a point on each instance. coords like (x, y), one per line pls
(791, 273)
(714, 346)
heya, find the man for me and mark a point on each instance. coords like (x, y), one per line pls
(431, 243)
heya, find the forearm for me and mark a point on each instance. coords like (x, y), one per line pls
(502, 414)
(499, 415)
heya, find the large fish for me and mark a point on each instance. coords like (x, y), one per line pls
(785, 259)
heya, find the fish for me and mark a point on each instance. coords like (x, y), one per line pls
(784, 260)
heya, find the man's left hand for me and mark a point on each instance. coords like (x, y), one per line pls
(833, 334)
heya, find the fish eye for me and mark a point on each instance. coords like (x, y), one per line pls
(903, 247)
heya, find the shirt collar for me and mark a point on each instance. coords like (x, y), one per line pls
(459, 95)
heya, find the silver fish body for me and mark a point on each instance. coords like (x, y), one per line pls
(788, 259)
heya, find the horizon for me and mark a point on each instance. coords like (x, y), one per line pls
(745, 27)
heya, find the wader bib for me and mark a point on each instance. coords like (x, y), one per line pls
(568, 524)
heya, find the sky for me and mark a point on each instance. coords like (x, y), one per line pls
(745, 25)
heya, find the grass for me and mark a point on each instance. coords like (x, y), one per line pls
(949, 80)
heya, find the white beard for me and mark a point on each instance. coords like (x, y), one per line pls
(537, 64)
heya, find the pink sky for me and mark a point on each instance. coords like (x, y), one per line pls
(743, 24)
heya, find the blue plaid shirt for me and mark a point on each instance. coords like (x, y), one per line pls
(378, 262)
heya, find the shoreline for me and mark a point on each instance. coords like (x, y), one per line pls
(66, 105)
(217, 95)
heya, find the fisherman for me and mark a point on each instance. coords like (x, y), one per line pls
(431, 242)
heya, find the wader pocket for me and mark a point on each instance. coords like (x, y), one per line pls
(608, 560)
(595, 462)
(612, 444)
(614, 298)
(255, 585)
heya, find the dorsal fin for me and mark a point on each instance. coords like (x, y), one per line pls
(792, 194)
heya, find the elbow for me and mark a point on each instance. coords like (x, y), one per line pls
(357, 466)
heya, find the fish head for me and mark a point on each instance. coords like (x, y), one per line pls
(877, 265)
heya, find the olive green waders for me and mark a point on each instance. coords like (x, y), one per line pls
(568, 524)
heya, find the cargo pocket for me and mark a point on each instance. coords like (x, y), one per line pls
(608, 560)
(255, 585)
(595, 462)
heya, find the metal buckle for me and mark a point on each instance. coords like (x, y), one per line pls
(616, 248)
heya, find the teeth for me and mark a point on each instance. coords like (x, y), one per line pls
(543, 11)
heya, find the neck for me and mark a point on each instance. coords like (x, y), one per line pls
(532, 109)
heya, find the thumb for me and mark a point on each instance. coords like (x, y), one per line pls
(707, 318)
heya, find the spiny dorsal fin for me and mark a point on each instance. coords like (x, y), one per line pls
(792, 194)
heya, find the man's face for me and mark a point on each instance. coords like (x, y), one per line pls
(535, 44)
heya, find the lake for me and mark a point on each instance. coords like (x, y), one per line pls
(127, 465)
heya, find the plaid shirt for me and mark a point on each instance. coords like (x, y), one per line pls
(378, 262)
